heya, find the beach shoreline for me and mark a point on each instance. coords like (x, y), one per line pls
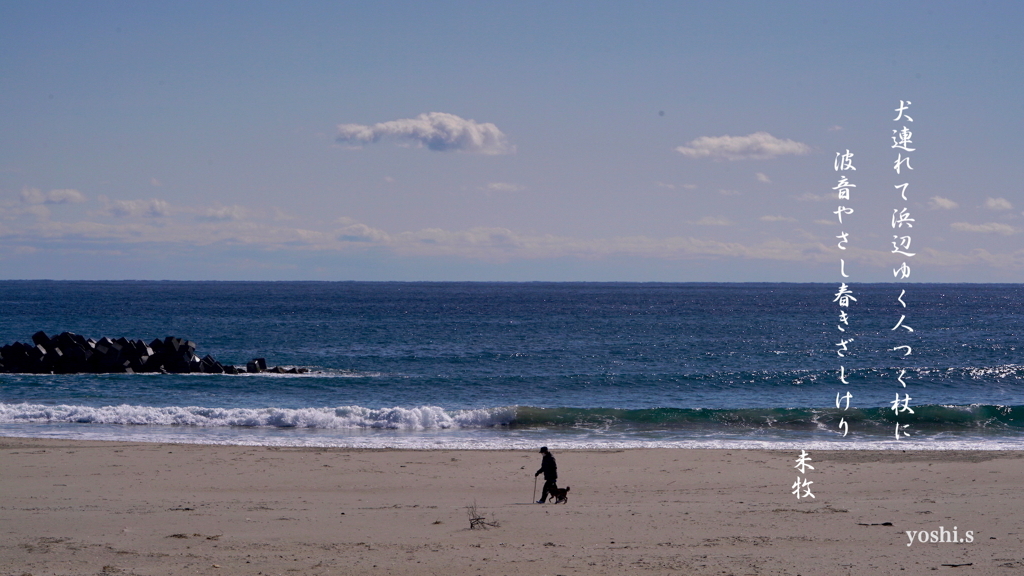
(96, 507)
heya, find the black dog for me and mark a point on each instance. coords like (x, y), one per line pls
(561, 495)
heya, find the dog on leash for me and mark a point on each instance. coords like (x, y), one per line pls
(561, 495)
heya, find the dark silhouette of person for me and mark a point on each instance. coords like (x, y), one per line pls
(550, 470)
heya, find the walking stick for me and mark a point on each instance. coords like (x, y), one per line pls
(534, 488)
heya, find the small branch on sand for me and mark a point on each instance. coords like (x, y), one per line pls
(476, 520)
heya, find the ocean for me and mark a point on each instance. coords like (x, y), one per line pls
(518, 365)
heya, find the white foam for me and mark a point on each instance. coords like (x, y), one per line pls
(344, 417)
(422, 428)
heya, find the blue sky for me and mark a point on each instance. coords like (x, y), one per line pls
(659, 141)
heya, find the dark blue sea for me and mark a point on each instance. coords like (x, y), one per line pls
(517, 365)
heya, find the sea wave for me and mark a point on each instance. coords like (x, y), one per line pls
(934, 418)
(343, 417)
(930, 417)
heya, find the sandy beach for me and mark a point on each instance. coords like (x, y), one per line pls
(122, 508)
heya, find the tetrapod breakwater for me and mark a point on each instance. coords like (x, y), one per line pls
(70, 353)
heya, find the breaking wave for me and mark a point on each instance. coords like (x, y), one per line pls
(935, 418)
(343, 417)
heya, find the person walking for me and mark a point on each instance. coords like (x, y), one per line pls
(550, 470)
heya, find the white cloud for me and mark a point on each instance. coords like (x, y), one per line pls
(474, 239)
(282, 216)
(13, 211)
(762, 178)
(725, 192)
(989, 228)
(152, 208)
(438, 131)
(777, 219)
(811, 197)
(155, 182)
(665, 185)
(756, 146)
(223, 213)
(493, 244)
(713, 221)
(504, 187)
(32, 196)
(835, 128)
(37, 210)
(998, 204)
(63, 196)
(354, 231)
(66, 196)
(940, 203)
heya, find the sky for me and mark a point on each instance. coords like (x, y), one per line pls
(519, 141)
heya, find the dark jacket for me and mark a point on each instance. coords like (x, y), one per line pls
(548, 467)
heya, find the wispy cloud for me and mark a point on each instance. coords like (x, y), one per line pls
(756, 146)
(63, 196)
(437, 131)
(989, 228)
(811, 197)
(352, 231)
(940, 203)
(222, 213)
(762, 178)
(282, 216)
(12, 212)
(126, 227)
(998, 204)
(504, 187)
(152, 208)
(491, 244)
